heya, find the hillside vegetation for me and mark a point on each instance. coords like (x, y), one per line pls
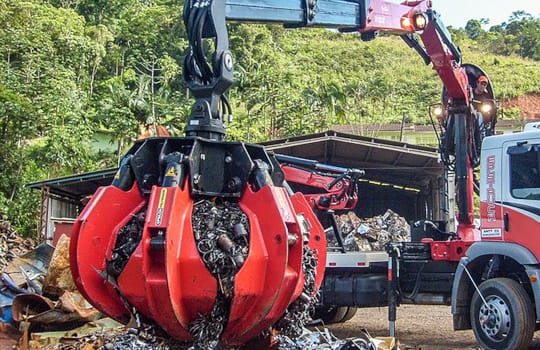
(70, 68)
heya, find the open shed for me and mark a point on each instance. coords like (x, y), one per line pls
(62, 199)
(405, 178)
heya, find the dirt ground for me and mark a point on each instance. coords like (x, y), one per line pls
(418, 327)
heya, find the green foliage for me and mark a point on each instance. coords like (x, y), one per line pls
(512, 114)
(519, 36)
(474, 29)
(70, 68)
(309, 80)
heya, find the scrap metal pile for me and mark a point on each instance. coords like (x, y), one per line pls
(11, 245)
(37, 293)
(371, 234)
(145, 339)
(37, 318)
(43, 310)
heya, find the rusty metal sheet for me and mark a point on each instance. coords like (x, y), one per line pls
(69, 312)
(29, 268)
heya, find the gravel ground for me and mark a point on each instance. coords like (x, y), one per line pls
(418, 327)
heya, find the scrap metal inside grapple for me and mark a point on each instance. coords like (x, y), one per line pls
(201, 238)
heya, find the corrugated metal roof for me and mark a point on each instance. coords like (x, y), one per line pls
(76, 186)
(385, 161)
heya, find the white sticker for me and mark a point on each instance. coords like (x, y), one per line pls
(491, 232)
(380, 20)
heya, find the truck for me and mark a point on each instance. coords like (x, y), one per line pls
(497, 274)
(494, 277)
(205, 238)
(495, 289)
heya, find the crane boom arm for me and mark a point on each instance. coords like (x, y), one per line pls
(206, 19)
(324, 13)
(367, 17)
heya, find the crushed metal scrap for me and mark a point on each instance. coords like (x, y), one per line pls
(23, 267)
(371, 234)
(42, 313)
(11, 245)
(112, 339)
(137, 339)
(33, 294)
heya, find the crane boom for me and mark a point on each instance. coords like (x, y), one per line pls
(322, 13)
(367, 17)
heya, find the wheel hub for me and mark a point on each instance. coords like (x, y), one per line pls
(494, 317)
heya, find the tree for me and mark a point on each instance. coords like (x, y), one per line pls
(473, 28)
(43, 103)
(71, 67)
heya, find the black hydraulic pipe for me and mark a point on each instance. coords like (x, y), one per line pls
(411, 40)
(311, 164)
(337, 231)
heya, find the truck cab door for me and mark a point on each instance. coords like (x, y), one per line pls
(521, 192)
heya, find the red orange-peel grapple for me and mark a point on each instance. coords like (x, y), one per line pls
(149, 244)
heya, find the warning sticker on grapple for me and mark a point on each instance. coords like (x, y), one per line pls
(161, 206)
(171, 172)
(491, 232)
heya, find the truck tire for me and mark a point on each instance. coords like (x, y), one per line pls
(331, 315)
(349, 314)
(506, 320)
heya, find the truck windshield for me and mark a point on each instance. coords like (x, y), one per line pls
(525, 173)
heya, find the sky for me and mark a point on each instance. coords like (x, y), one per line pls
(456, 13)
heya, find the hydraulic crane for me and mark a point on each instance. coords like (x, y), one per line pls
(201, 236)
(410, 20)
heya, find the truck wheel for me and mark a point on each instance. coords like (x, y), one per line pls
(349, 314)
(331, 315)
(505, 320)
